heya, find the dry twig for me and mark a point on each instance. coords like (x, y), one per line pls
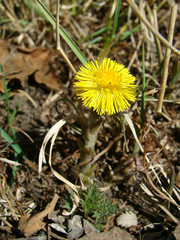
(167, 58)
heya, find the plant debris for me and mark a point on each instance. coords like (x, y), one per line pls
(134, 188)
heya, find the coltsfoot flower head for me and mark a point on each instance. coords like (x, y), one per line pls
(107, 87)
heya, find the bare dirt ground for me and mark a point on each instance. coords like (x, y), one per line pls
(40, 83)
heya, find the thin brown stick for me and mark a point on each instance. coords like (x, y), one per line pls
(153, 30)
(135, 54)
(105, 150)
(167, 58)
(57, 26)
(101, 153)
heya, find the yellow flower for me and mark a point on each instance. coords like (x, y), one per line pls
(106, 87)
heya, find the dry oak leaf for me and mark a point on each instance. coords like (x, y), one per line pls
(25, 62)
(29, 226)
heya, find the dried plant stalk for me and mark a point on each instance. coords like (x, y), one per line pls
(167, 58)
(157, 40)
(59, 48)
(150, 27)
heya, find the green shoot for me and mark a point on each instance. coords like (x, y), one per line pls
(6, 96)
(176, 74)
(93, 204)
(94, 34)
(15, 146)
(95, 40)
(14, 113)
(5, 135)
(96, 206)
(68, 201)
(126, 34)
(116, 16)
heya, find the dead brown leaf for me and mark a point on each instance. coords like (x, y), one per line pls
(29, 226)
(23, 62)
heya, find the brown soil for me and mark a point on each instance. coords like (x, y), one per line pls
(40, 83)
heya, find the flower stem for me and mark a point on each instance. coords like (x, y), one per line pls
(90, 129)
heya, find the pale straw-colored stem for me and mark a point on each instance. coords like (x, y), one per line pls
(167, 58)
(150, 27)
(135, 54)
(157, 40)
(58, 45)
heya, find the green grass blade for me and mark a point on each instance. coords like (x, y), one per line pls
(13, 175)
(128, 33)
(63, 34)
(14, 113)
(15, 146)
(37, 11)
(116, 17)
(95, 40)
(176, 73)
(6, 95)
(95, 34)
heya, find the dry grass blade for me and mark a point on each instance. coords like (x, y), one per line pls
(52, 134)
(28, 97)
(157, 40)
(105, 150)
(169, 214)
(68, 40)
(10, 161)
(104, 53)
(54, 129)
(167, 196)
(135, 54)
(135, 160)
(3, 188)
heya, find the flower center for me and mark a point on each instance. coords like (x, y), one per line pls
(107, 79)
